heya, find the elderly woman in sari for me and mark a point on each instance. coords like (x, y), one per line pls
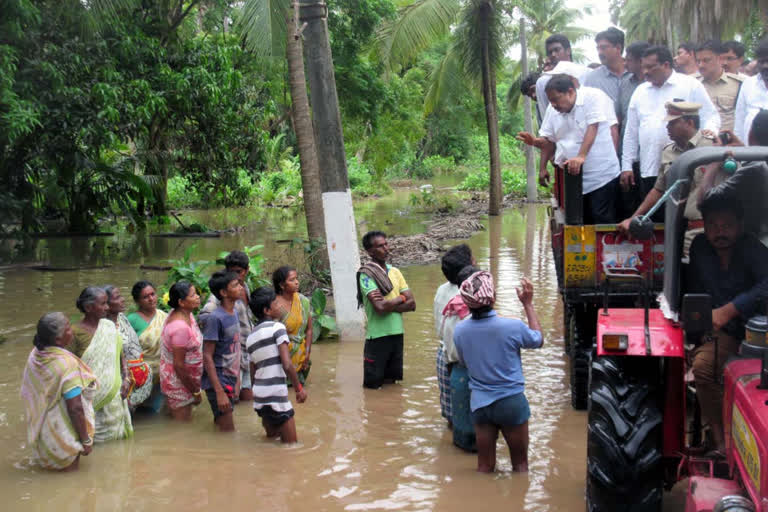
(296, 315)
(140, 372)
(148, 324)
(100, 346)
(57, 389)
(181, 353)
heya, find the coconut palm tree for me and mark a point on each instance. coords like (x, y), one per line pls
(271, 28)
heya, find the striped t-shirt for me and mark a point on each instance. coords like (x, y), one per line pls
(269, 387)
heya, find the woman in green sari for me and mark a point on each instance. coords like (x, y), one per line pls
(148, 323)
(296, 315)
(99, 345)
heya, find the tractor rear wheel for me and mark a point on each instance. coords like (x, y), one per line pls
(624, 464)
(579, 334)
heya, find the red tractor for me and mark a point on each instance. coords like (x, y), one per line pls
(644, 430)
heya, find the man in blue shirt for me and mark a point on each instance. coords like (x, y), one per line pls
(489, 346)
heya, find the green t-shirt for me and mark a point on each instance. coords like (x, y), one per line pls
(388, 323)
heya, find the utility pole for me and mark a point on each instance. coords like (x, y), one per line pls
(340, 229)
(530, 167)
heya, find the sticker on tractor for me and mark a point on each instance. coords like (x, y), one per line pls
(579, 244)
(746, 446)
(617, 252)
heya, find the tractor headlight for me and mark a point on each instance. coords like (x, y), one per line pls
(613, 341)
(734, 504)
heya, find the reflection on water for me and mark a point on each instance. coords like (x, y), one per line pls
(385, 449)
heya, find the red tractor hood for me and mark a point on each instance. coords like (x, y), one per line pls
(745, 415)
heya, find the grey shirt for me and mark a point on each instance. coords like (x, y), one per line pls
(618, 88)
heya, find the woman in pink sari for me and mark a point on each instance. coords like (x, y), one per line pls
(181, 354)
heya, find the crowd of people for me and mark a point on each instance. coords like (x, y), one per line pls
(83, 383)
(623, 123)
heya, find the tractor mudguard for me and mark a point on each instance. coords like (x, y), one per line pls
(661, 337)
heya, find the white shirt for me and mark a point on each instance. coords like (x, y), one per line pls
(567, 131)
(752, 97)
(565, 67)
(645, 134)
(445, 293)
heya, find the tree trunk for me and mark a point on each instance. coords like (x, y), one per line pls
(491, 116)
(302, 123)
(530, 167)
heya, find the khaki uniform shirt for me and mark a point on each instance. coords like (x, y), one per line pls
(669, 155)
(724, 91)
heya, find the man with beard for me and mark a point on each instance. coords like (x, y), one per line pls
(730, 266)
(753, 95)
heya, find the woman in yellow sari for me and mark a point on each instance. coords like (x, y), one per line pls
(148, 323)
(57, 389)
(101, 346)
(296, 314)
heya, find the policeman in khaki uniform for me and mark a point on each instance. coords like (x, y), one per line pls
(683, 128)
(723, 88)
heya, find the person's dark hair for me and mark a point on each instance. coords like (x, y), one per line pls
(736, 47)
(761, 52)
(687, 46)
(108, 289)
(279, 277)
(528, 82)
(369, 236)
(612, 35)
(260, 299)
(759, 129)
(718, 201)
(561, 83)
(637, 49)
(696, 120)
(88, 296)
(710, 45)
(49, 327)
(558, 38)
(455, 259)
(236, 259)
(219, 281)
(661, 52)
(178, 292)
(138, 288)
(464, 273)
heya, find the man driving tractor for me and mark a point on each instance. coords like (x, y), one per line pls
(732, 267)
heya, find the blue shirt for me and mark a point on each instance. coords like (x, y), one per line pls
(490, 349)
(224, 329)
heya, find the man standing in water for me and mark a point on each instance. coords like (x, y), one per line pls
(383, 291)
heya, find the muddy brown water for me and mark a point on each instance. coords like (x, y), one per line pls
(359, 449)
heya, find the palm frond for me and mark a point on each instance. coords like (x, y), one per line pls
(263, 24)
(445, 83)
(416, 27)
(479, 20)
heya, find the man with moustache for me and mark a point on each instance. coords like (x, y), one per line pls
(645, 134)
(754, 94)
(731, 267)
(723, 88)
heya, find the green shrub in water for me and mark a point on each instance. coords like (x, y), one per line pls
(513, 182)
(429, 201)
(182, 193)
(362, 181)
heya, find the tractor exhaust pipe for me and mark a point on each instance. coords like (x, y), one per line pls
(734, 504)
(764, 372)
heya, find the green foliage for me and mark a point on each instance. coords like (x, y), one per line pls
(429, 201)
(183, 194)
(322, 324)
(437, 164)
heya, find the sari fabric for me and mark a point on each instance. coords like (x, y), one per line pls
(141, 373)
(113, 418)
(296, 321)
(150, 338)
(48, 375)
(180, 335)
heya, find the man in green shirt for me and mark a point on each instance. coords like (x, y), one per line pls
(383, 291)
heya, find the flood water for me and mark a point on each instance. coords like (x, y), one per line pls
(359, 449)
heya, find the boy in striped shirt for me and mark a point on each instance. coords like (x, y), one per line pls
(269, 353)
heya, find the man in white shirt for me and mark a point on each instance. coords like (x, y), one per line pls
(732, 57)
(558, 49)
(753, 95)
(645, 133)
(582, 124)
